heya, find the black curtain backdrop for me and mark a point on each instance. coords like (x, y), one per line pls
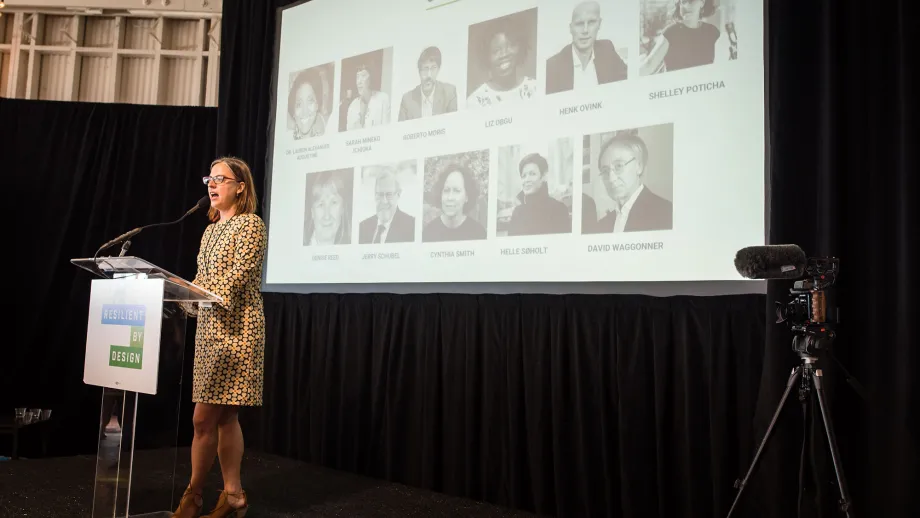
(632, 406)
(844, 119)
(582, 405)
(82, 174)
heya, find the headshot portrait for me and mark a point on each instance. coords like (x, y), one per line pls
(679, 34)
(327, 211)
(456, 197)
(502, 62)
(389, 196)
(587, 42)
(534, 193)
(310, 101)
(433, 91)
(364, 100)
(628, 180)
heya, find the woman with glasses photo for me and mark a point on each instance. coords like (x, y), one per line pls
(230, 338)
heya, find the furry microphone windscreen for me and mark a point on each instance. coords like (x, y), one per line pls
(771, 262)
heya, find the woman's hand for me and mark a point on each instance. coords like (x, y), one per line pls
(189, 308)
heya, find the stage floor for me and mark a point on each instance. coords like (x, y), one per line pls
(63, 487)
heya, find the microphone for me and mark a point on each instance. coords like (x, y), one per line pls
(202, 203)
(771, 262)
(205, 201)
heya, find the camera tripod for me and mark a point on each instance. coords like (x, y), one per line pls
(808, 374)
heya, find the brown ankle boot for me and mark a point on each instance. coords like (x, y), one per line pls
(189, 505)
(225, 510)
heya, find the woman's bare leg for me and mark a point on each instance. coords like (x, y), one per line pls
(204, 443)
(230, 451)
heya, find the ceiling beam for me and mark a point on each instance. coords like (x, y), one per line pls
(165, 7)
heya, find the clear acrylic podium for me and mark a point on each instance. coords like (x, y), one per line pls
(144, 453)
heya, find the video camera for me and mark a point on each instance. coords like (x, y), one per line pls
(811, 315)
(811, 312)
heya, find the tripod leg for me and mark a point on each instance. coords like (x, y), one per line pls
(740, 484)
(845, 503)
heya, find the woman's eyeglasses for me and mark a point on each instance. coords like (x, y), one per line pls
(219, 179)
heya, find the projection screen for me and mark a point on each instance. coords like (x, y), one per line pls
(515, 141)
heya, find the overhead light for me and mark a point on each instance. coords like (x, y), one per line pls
(2, 5)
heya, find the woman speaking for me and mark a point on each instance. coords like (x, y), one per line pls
(230, 339)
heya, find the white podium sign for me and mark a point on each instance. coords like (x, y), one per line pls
(123, 335)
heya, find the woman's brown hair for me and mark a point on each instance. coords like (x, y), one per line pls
(247, 201)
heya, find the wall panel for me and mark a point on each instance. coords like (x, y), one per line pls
(99, 32)
(181, 75)
(4, 72)
(94, 71)
(109, 57)
(52, 76)
(138, 80)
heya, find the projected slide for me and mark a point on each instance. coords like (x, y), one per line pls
(453, 141)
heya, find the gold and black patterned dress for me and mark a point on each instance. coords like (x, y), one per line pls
(230, 340)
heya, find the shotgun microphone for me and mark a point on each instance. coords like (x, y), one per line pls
(771, 262)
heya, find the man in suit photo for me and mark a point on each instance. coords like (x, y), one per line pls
(430, 97)
(586, 61)
(622, 164)
(389, 224)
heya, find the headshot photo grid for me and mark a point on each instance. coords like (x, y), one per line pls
(501, 189)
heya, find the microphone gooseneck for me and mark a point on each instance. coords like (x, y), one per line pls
(202, 203)
(205, 201)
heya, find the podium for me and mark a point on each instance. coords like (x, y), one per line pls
(135, 351)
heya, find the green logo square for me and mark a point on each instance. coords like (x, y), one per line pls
(126, 357)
